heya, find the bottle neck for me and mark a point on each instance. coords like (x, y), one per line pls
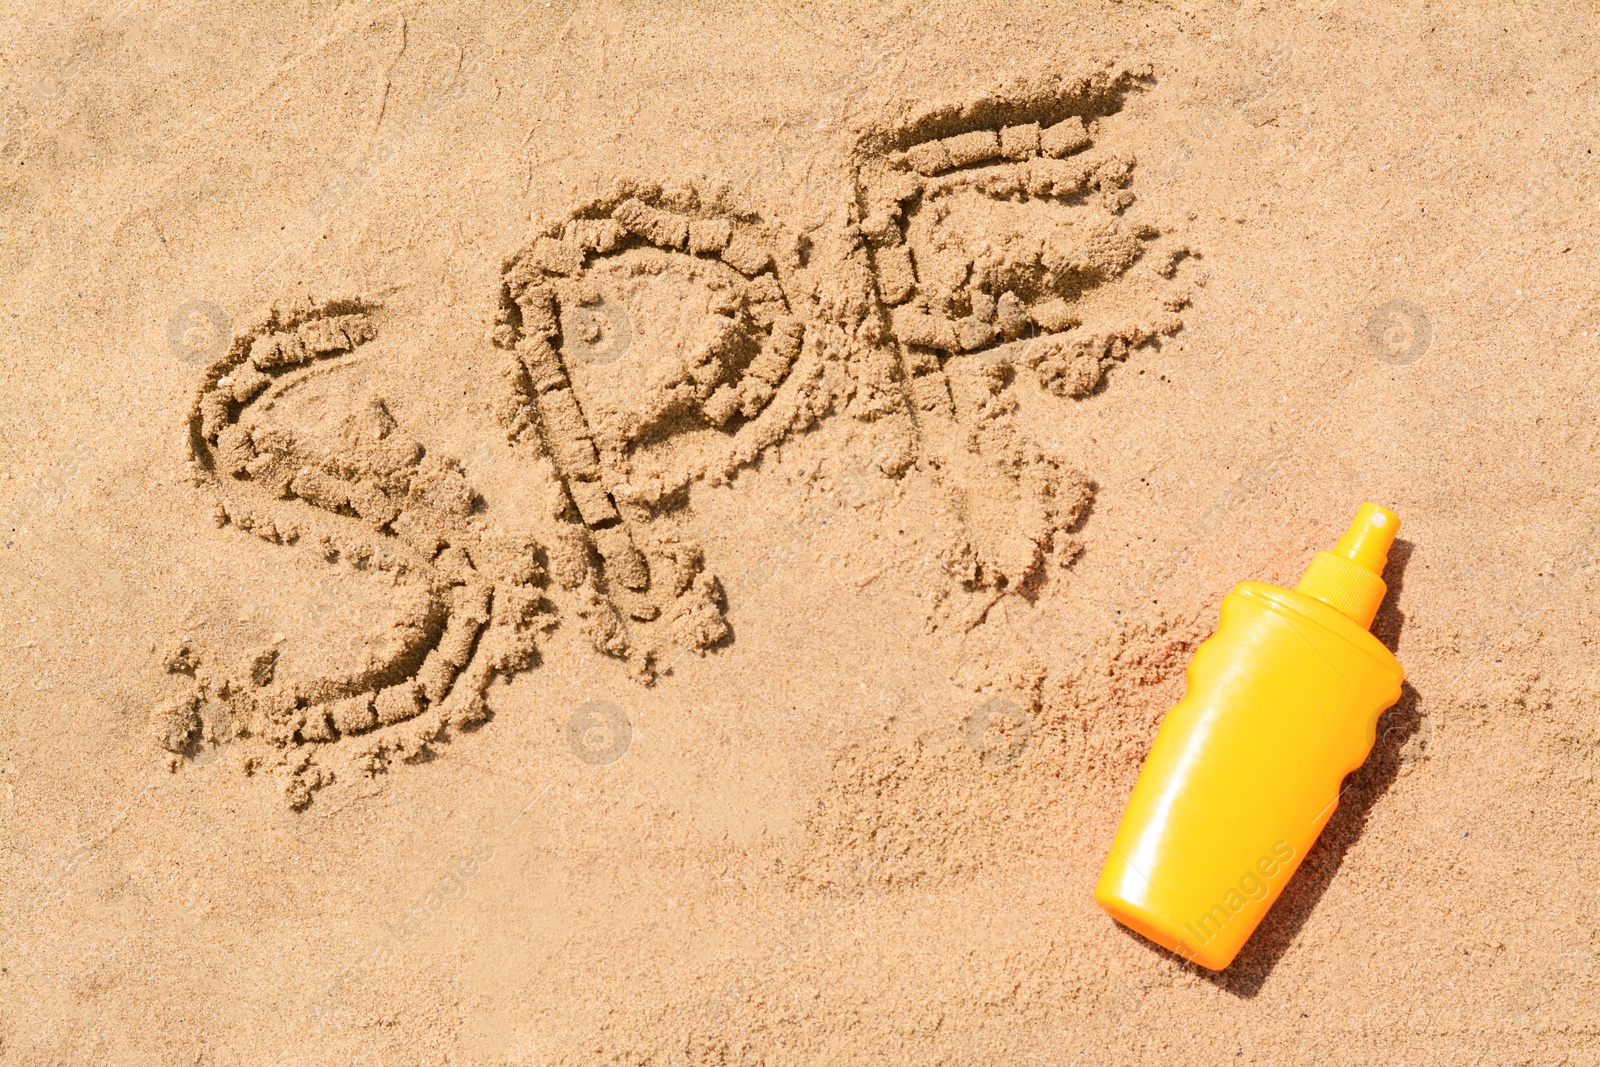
(1344, 585)
(1350, 578)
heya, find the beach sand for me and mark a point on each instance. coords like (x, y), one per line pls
(573, 534)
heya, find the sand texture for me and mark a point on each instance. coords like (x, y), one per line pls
(661, 535)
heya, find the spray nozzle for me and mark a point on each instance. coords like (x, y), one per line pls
(1350, 577)
(1367, 541)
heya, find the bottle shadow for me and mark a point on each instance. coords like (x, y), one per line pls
(1361, 791)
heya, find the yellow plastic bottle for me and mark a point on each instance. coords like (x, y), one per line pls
(1283, 702)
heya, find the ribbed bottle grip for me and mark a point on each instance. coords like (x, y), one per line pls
(1344, 585)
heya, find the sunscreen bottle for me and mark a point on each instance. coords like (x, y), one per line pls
(1283, 701)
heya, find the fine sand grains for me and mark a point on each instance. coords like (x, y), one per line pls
(601, 534)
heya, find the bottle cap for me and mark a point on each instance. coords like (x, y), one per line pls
(1350, 578)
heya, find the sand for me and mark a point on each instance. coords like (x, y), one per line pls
(576, 534)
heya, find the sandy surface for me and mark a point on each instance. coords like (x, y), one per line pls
(578, 534)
